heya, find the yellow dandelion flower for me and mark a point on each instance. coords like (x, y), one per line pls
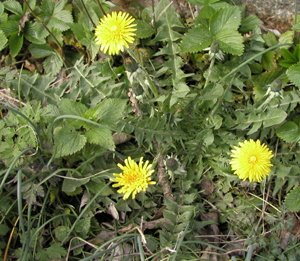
(251, 160)
(134, 178)
(114, 32)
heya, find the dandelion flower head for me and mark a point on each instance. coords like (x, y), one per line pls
(134, 178)
(114, 32)
(251, 160)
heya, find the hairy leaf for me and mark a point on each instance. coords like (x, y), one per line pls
(67, 141)
(196, 39)
(230, 41)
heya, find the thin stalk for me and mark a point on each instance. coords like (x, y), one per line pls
(88, 14)
(141, 250)
(100, 7)
(209, 71)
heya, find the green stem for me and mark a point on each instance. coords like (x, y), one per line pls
(100, 7)
(209, 71)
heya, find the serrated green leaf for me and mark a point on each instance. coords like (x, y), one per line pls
(95, 186)
(289, 132)
(292, 200)
(1, 8)
(171, 205)
(100, 136)
(293, 74)
(31, 35)
(56, 251)
(61, 232)
(67, 141)
(296, 26)
(110, 111)
(14, 7)
(9, 28)
(230, 41)
(3, 229)
(71, 185)
(196, 39)
(226, 18)
(268, 61)
(286, 37)
(15, 43)
(83, 225)
(53, 64)
(3, 40)
(40, 50)
(71, 107)
(143, 29)
(249, 23)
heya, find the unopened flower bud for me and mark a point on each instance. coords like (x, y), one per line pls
(214, 48)
(172, 164)
(276, 86)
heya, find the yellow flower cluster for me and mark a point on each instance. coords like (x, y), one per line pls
(251, 160)
(134, 178)
(114, 32)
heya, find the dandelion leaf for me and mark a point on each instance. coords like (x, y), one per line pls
(143, 29)
(289, 132)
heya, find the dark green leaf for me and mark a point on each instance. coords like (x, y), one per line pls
(230, 41)
(100, 136)
(14, 7)
(40, 50)
(196, 39)
(226, 18)
(143, 29)
(3, 40)
(53, 64)
(67, 141)
(249, 23)
(15, 43)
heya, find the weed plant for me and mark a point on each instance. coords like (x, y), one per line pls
(182, 95)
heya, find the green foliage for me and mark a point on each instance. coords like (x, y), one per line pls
(292, 200)
(84, 125)
(221, 27)
(187, 90)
